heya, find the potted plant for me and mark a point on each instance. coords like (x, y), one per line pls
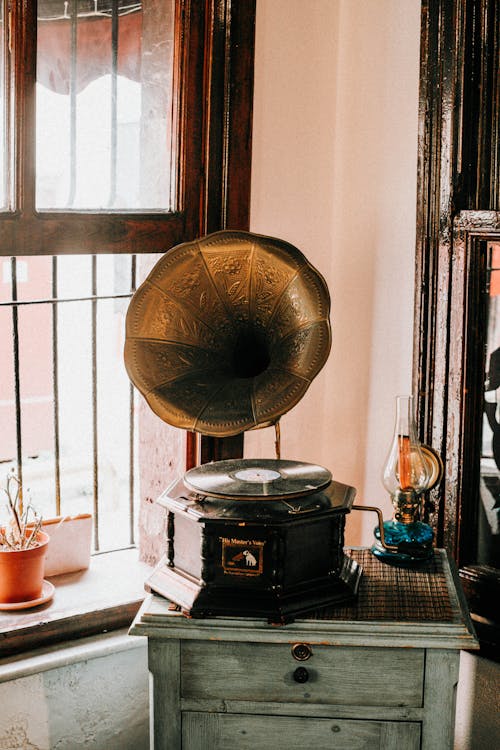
(23, 546)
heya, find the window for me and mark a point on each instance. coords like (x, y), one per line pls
(67, 408)
(104, 106)
(125, 130)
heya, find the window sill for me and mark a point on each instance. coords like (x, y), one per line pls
(44, 659)
(105, 597)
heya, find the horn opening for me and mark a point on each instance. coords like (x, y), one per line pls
(251, 355)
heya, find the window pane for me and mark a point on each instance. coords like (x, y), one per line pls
(104, 105)
(75, 429)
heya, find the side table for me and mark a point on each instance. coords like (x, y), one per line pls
(379, 673)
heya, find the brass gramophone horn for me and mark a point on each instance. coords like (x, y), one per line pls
(227, 332)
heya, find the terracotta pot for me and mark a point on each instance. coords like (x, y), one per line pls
(21, 572)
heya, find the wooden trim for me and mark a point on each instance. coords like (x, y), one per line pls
(48, 633)
(228, 124)
(441, 668)
(164, 662)
(239, 125)
(21, 104)
(191, 449)
(64, 234)
(220, 449)
(441, 31)
(457, 205)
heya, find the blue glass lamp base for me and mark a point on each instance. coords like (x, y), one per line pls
(413, 540)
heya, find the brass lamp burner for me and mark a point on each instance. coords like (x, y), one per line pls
(227, 332)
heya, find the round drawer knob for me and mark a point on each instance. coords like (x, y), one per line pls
(301, 674)
(301, 651)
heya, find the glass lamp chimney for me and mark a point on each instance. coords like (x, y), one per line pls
(405, 474)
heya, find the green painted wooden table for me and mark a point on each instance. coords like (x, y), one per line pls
(380, 673)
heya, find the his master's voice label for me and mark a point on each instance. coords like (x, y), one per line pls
(242, 557)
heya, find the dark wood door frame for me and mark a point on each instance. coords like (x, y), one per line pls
(458, 197)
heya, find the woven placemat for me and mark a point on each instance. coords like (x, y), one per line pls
(387, 592)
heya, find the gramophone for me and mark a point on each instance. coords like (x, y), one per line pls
(225, 335)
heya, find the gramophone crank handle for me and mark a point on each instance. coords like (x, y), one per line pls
(374, 509)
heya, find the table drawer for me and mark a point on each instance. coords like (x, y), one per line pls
(334, 675)
(229, 731)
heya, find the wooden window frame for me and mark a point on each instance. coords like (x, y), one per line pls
(213, 89)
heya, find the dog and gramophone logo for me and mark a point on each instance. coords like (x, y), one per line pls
(242, 557)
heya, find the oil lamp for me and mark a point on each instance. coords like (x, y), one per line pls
(410, 470)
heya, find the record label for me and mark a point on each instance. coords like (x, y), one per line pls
(242, 557)
(257, 475)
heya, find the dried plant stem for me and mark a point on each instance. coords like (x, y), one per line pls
(36, 528)
(19, 535)
(4, 540)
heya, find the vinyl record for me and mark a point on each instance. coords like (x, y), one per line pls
(257, 478)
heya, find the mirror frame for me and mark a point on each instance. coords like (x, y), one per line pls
(465, 355)
(464, 351)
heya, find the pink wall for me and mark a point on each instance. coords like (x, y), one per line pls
(334, 172)
(35, 359)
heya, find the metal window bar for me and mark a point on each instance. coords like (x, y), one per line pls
(55, 386)
(55, 301)
(17, 383)
(95, 442)
(133, 284)
(59, 9)
(72, 97)
(60, 301)
(114, 104)
(113, 160)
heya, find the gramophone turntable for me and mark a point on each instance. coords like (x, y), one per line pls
(226, 335)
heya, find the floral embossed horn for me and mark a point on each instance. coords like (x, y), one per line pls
(227, 332)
